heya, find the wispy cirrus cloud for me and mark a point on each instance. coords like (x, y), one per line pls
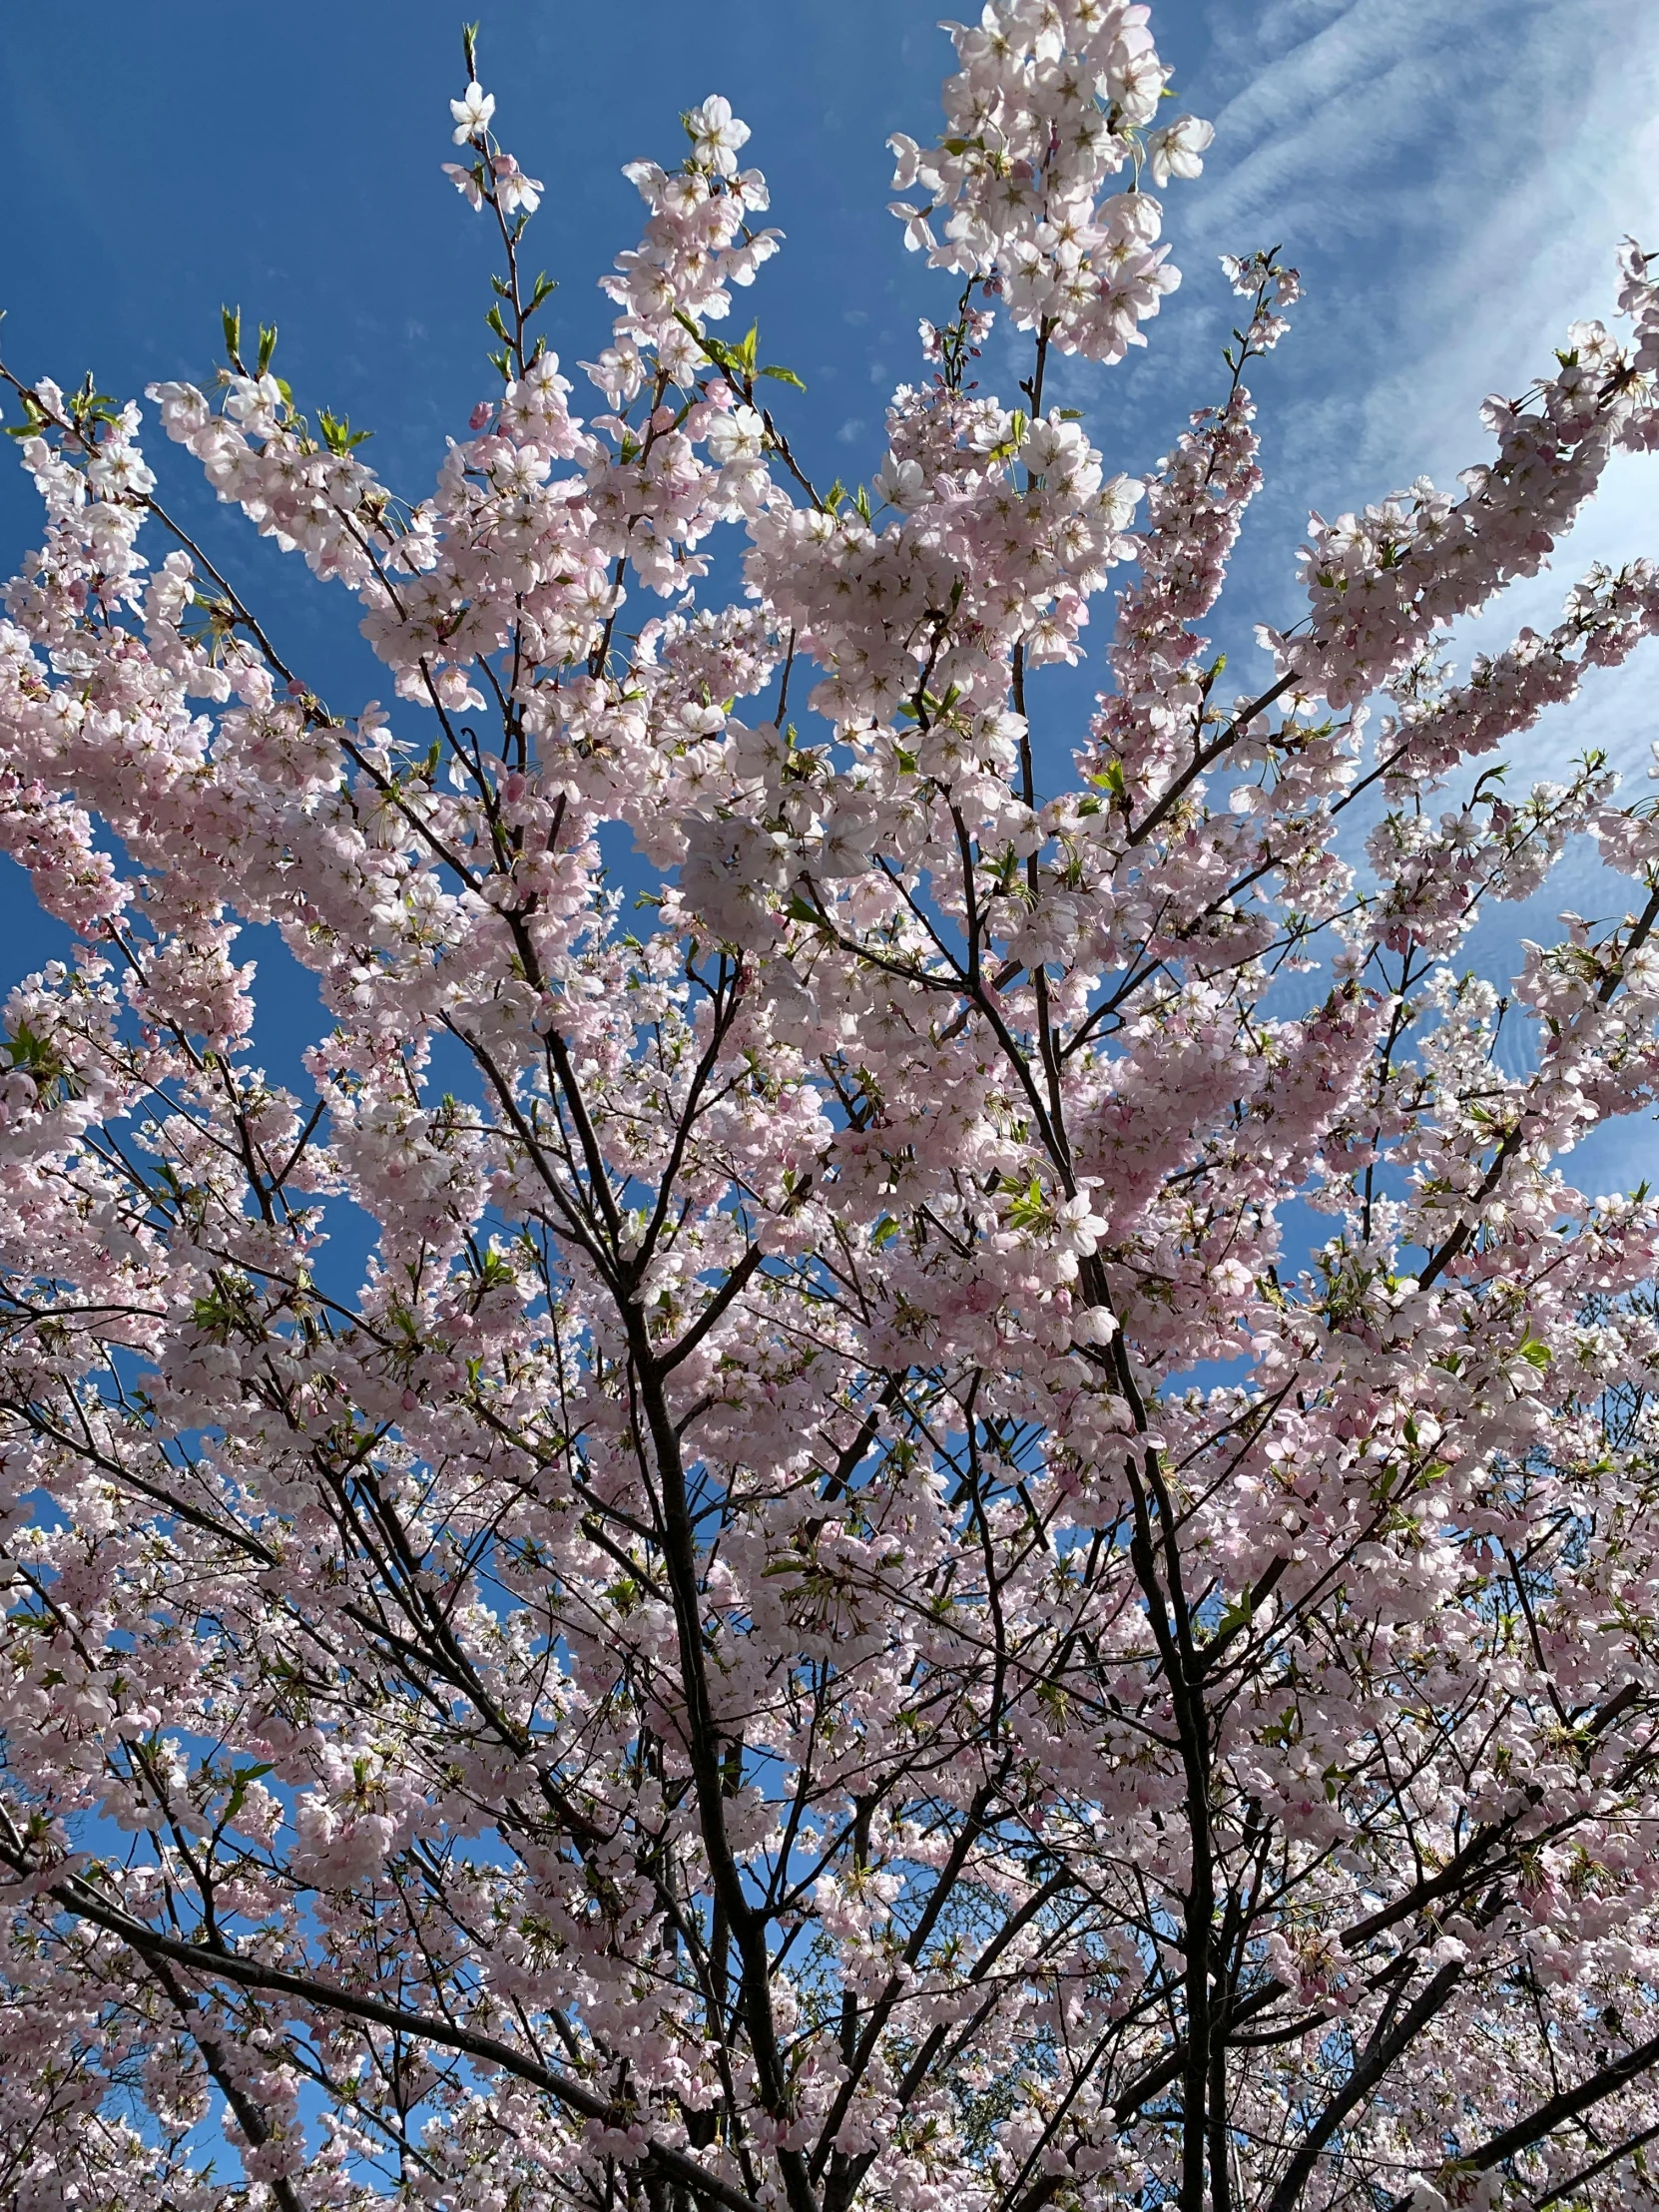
(1455, 181)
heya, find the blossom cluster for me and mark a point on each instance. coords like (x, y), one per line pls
(1051, 99)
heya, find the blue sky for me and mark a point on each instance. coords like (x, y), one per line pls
(1451, 176)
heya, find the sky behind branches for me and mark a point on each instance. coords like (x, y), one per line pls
(1450, 176)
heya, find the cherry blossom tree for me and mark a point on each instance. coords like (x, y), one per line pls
(850, 1612)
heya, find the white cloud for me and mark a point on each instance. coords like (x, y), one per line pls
(1459, 176)
(1455, 181)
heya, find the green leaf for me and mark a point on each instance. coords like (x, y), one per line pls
(337, 434)
(35, 418)
(1238, 1615)
(240, 1783)
(231, 319)
(214, 1315)
(40, 1059)
(1030, 1209)
(268, 345)
(785, 377)
(1535, 1351)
